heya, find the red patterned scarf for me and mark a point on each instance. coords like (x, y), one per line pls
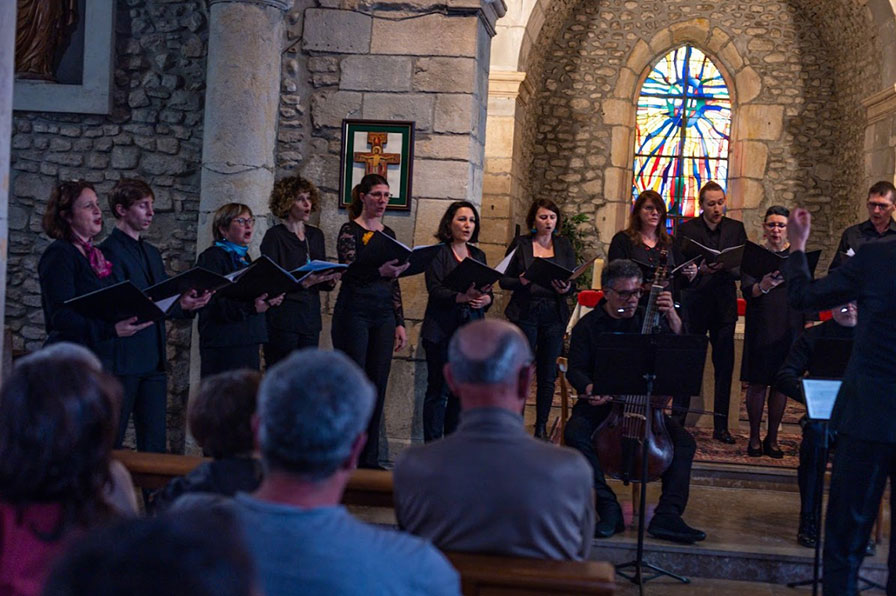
(98, 262)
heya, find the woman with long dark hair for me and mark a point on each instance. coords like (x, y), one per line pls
(72, 266)
(446, 310)
(368, 320)
(541, 312)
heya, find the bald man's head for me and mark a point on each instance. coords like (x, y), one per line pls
(488, 352)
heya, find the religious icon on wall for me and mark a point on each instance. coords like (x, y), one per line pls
(43, 30)
(377, 147)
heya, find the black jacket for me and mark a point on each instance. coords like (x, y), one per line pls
(521, 299)
(65, 273)
(225, 322)
(443, 313)
(799, 358)
(855, 236)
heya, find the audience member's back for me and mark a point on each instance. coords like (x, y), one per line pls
(313, 409)
(220, 419)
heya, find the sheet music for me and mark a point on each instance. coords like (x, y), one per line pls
(166, 303)
(820, 397)
(502, 266)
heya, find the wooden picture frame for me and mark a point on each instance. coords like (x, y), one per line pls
(382, 146)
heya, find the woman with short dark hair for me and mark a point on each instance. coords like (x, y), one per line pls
(541, 313)
(231, 331)
(72, 266)
(446, 310)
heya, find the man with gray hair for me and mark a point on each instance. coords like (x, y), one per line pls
(491, 487)
(313, 409)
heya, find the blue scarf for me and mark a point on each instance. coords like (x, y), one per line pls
(241, 253)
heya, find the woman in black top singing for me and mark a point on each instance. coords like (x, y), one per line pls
(446, 310)
(296, 323)
(231, 331)
(541, 312)
(72, 266)
(368, 320)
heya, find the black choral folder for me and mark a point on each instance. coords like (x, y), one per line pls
(197, 278)
(263, 276)
(119, 302)
(729, 258)
(382, 248)
(471, 272)
(544, 271)
(759, 261)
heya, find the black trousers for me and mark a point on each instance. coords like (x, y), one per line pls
(216, 360)
(146, 395)
(859, 475)
(811, 469)
(441, 408)
(676, 480)
(367, 336)
(705, 316)
(281, 343)
(544, 329)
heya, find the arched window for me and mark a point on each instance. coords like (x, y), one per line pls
(683, 124)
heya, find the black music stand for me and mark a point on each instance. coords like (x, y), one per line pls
(633, 364)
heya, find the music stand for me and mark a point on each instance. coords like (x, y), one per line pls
(633, 364)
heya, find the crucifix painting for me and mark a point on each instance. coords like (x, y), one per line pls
(376, 161)
(383, 147)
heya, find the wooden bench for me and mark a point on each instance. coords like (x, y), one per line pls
(371, 488)
(490, 575)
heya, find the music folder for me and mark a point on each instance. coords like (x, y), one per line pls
(316, 266)
(758, 261)
(197, 278)
(471, 272)
(263, 276)
(730, 258)
(544, 271)
(119, 302)
(381, 248)
(821, 394)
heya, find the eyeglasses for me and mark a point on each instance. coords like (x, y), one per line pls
(775, 224)
(244, 221)
(378, 195)
(626, 295)
(881, 206)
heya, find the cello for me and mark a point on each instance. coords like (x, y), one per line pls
(618, 440)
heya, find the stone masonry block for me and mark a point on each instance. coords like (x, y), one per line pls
(442, 146)
(343, 31)
(417, 37)
(639, 56)
(619, 149)
(618, 111)
(376, 73)
(748, 84)
(499, 137)
(328, 108)
(445, 75)
(625, 84)
(763, 122)
(661, 41)
(388, 106)
(731, 57)
(695, 30)
(429, 213)
(442, 179)
(753, 157)
(455, 112)
(496, 184)
(717, 40)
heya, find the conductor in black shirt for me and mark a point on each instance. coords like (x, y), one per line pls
(879, 224)
(140, 360)
(711, 300)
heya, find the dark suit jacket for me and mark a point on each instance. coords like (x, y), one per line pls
(443, 313)
(855, 236)
(224, 322)
(521, 299)
(866, 404)
(145, 351)
(65, 273)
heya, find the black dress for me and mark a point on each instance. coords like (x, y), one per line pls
(770, 328)
(443, 316)
(296, 323)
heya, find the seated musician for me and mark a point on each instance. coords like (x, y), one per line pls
(799, 362)
(618, 312)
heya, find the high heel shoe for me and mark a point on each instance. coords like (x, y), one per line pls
(754, 451)
(767, 448)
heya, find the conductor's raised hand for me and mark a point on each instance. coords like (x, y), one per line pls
(799, 224)
(391, 269)
(129, 327)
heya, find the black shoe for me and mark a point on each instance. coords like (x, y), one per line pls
(611, 522)
(870, 548)
(769, 451)
(723, 436)
(540, 431)
(754, 451)
(807, 535)
(672, 527)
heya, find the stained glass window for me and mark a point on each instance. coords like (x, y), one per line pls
(683, 124)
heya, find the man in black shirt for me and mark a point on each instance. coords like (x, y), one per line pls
(711, 299)
(788, 381)
(879, 224)
(618, 312)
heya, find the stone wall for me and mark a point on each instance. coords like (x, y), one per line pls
(798, 132)
(154, 132)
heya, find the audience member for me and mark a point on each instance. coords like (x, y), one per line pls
(58, 419)
(313, 409)
(220, 419)
(490, 487)
(200, 554)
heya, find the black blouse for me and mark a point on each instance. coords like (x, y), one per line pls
(225, 322)
(443, 313)
(349, 243)
(524, 295)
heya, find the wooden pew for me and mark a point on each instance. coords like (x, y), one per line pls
(371, 488)
(489, 575)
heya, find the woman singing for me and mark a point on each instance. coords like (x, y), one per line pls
(769, 330)
(72, 266)
(296, 323)
(446, 310)
(540, 312)
(230, 331)
(368, 320)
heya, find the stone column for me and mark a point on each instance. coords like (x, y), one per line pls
(7, 68)
(240, 127)
(241, 102)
